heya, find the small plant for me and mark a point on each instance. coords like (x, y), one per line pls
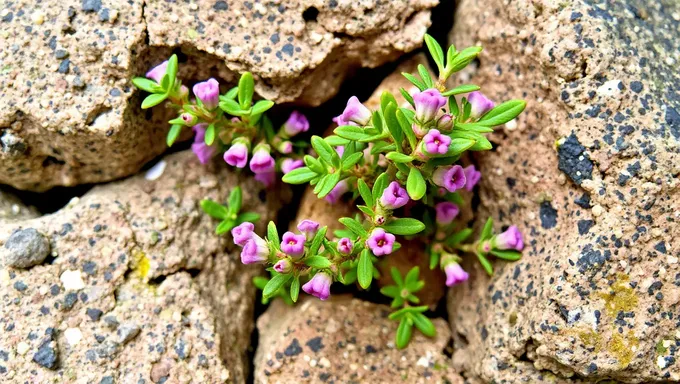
(229, 214)
(402, 161)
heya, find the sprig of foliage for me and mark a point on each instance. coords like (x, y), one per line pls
(228, 214)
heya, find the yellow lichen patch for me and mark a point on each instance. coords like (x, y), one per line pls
(620, 298)
(590, 338)
(623, 347)
(140, 264)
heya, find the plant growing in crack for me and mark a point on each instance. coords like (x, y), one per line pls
(229, 215)
(403, 162)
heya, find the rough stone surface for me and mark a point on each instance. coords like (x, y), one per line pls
(589, 174)
(69, 115)
(345, 340)
(141, 289)
(11, 208)
(25, 248)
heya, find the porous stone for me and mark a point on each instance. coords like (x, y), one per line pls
(24, 249)
(345, 340)
(139, 274)
(589, 174)
(69, 114)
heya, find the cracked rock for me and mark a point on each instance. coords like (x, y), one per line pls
(69, 114)
(117, 299)
(594, 161)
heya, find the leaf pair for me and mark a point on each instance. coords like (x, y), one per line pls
(229, 215)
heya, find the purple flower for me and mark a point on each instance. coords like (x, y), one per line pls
(285, 147)
(308, 228)
(451, 177)
(242, 233)
(510, 239)
(445, 123)
(283, 266)
(446, 212)
(455, 274)
(339, 189)
(380, 242)
(472, 177)
(288, 165)
(435, 143)
(427, 104)
(208, 92)
(319, 285)
(203, 151)
(267, 178)
(296, 123)
(479, 104)
(292, 244)
(156, 73)
(340, 150)
(255, 250)
(262, 161)
(237, 155)
(394, 196)
(345, 246)
(355, 113)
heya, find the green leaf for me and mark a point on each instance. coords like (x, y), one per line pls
(235, 199)
(487, 232)
(434, 260)
(318, 262)
(473, 127)
(295, 289)
(246, 86)
(425, 75)
(231, 107)
(450, 54)
(153, 100)
(435, 51)
(503, 113)
(404, 226)
(507, 255)
(299, 176)
(415, 184)
(465, 88)
(214, 209)
(399, 157)
(274, 285)
(260, 282)
(459, 146)
(351, 160)
(365, 193)
(273, 234)
(331, 181)
(459, 237)
(453, 106)
(173, 134)
(407, 96)
(365, 269)
(415, 81)
(231, 94)
(325, 151)
(225, 226)
(171, 71)
(335, 141)
(351, 132)
(146, 85)
(404, 332)
(250, 217)
(366, 210)
(415, 286)
(412, 275)
(379, 186)
(396, 276)
(353, 226)
(390, 290)
(486, 264)
(318, 239)
(463, 58)
(210, 134)
(424, 325)
(407, 129)
(262, 106)
(386, 98)
(393, 123)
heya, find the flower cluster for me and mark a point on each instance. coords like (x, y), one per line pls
(230, 124)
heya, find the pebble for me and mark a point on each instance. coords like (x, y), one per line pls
(22, 348)
(25, 248)
(73, 336)
(72, 280)
(47, 355)
(156, 171)
(127, 332)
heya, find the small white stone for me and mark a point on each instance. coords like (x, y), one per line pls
(38, 18)
(73, 336)
(667, 343)
(661, 362)
(423, 362)
(22, 348)
(597, 210)
(72, 280)
(672, 260)
(324, 362)
(156, 171)
(306, 358)
(176, 316)
(312, 363)
(535, 179)
(511, 125)
(609, 88)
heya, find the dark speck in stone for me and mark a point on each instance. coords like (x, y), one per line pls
(661, 247)
(274, 38)
(636, 86)
(288, 48)
(548, 215)
(92, 5)
(220, 6)
(584, 226)
(315, 344)
(64, 66)
(574, 161)
(293, 349)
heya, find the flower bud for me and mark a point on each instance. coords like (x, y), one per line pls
(156, 73)
(296, 123)
(345, 246)
(445, 123)
(455, 274)
(203, 151)
(394, 196)
(255, 250)
(288, 165)
(510, 239)
(337, 192)
(319, 285)
(237, 154)
(451, 177)
(479, 104)
(262, 161)
(427, 104)
(446, 212)
(189, 119)
(355, 113)
(309, 228)
(208, 92)
(283, 266)
(285, 147)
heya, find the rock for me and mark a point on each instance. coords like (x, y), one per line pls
(69, 114)
(587, 174)
(25, 248)
(47, 355)
(11, 208)
(345, 340)
(138, 269)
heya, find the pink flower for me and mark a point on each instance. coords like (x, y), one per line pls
(285, 147)
(479, 104)
(510, 239)
(355, 113)
(445, 123)
(242, 233)
(394, 196)
(345, 246)
(340, 149)
(283, 266)
(296, 123)
(262, 161)
(339, 189)
(451, 177)
(435, 143)
(472, 177)
(380, 242)
(156, 73)
(255, 250)
(427, 104)
(455, 274)
(267, 178)
(237, 155)
(288, 165)
(189, 119)
(446, 212)
(208, 92)
(203, 151)
(309, 228)
(319, 285)
(292, 244)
